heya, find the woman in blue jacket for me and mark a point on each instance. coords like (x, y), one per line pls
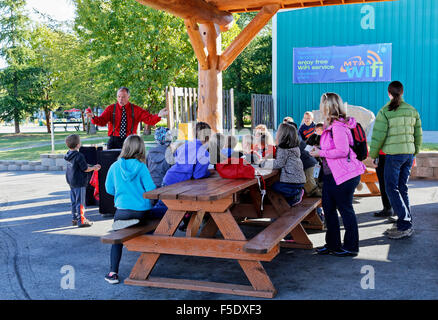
(128, 178)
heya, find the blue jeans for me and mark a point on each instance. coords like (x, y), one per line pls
(397, 172)
(290, 191)
(77, 197)
(340, 197)
(125, 214)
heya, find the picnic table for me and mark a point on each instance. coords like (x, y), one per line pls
(66, 123)
(225, 204)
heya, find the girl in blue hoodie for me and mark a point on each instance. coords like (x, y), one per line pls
(128, 178)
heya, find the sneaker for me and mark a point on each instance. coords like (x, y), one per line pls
(392, 219)
(113, 279)
(122, 224)
(74, 222)
(298, 200)
(320, 213)
(384, 213)
(344, 253)
(85, 224)
(322, 250)
(397, 234)
(392, 229)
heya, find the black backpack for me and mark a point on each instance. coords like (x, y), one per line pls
(360, 146)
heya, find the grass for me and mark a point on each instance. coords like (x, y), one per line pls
(427, 147)
(32, 140)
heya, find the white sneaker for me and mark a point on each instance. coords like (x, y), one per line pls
(122, 224)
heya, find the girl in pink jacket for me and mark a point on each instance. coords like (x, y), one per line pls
(341, 175)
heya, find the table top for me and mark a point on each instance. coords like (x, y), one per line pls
(207, 189)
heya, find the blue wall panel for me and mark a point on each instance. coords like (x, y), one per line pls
(412, 28)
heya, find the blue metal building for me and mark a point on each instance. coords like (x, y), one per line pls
(410, 25)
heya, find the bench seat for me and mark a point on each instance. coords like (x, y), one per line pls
(120, 236)
(276, 231)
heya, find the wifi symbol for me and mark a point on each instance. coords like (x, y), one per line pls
(373, 57)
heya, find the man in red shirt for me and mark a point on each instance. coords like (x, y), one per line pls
(123, 118)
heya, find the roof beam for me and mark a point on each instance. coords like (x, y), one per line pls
(197, 43)
(246, 35)
(196, 10)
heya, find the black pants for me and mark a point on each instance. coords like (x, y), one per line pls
(115, 142)
(380, 170)
(340, 197)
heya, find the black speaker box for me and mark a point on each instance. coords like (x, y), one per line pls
(106, 158)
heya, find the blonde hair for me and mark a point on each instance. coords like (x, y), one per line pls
(133, 148)
(262, 129)
(309, 113)
(332, 108)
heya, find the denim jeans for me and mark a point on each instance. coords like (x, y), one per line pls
(340, 197)
(397, 172)
(125, 214)
(380, 171)
(290, 191)
(77, 197)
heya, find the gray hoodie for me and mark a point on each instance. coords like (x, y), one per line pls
(158, 161)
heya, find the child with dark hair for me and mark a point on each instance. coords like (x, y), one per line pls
(292, 177)
(77, 179)
(315, 138)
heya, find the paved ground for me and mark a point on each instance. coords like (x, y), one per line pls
(37, 241)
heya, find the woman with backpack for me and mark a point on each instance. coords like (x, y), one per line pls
(341, 175)
(397, 132)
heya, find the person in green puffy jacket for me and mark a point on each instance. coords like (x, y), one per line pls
(397, 132)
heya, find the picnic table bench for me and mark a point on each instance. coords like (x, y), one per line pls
(66, 123)
(224, 203)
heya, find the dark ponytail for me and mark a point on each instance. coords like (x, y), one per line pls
(395, 88)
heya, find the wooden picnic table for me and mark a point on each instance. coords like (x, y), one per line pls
(224, 203)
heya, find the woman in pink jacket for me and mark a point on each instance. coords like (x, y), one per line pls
(341, 175)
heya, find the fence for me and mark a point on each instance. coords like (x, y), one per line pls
(182, 104)
(262, 110)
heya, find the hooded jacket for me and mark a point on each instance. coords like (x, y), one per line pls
(159, 160)
(191, 161)
(397, 132)
(127, 180)
(335, 147)
(76, 165)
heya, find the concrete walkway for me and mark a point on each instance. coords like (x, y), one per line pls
(38, 247)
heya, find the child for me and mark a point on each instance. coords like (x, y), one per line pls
(248, 147)
(309, 164)
(77, 178)
(315, 138)
(308, 127)
(191, 161)
(160, 158)
(292, 177)
(128, 178)
(263, 147)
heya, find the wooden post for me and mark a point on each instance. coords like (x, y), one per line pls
(210, 80)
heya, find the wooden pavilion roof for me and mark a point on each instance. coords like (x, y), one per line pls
(256, 5)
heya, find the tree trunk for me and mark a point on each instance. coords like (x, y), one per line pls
(17, 123)
(47, 114)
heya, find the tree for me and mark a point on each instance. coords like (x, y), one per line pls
(135, 46)
(251, 71)
(14, 31)
(20, 89)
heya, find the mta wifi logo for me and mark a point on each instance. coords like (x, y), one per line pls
(356, 67)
